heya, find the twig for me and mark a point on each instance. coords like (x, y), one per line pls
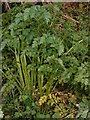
(68, 17)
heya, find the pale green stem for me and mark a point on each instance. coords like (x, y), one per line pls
(25, 73)
(35, 78)
(19, 68)
(32, 75)
(39, 84)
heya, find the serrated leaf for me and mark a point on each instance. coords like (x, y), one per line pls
(26, 13)
(84, 113)
(60, 49)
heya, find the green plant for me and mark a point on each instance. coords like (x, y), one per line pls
(38, 55)
(32, 52)
(29, 73)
